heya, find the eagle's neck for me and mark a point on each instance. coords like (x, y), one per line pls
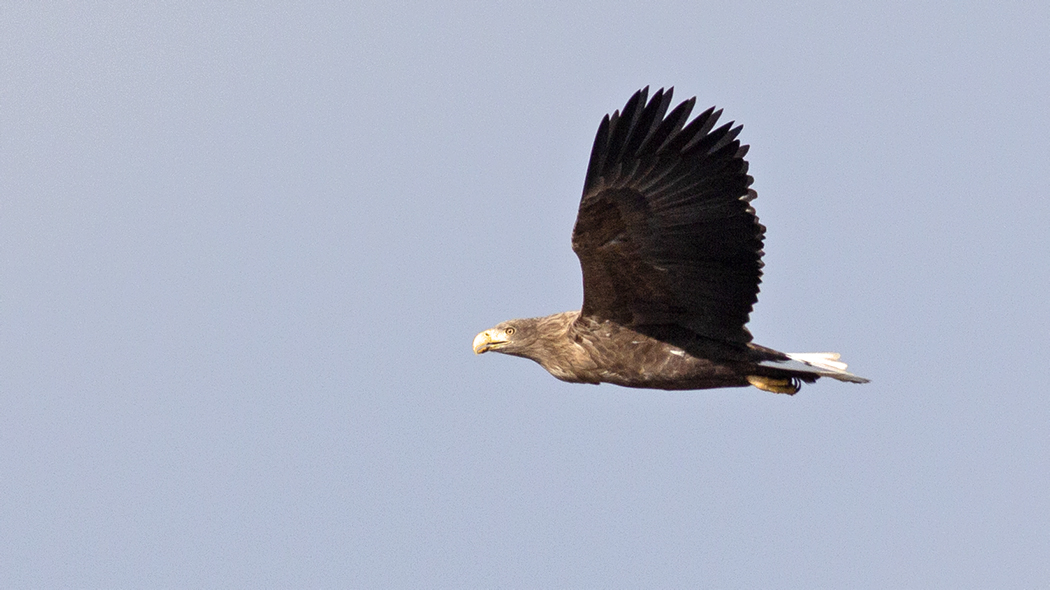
(556, 350)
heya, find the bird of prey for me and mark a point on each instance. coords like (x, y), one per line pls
(671, 252)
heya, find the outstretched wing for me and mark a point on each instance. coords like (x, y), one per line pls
(665, 232)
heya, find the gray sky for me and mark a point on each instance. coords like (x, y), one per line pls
(244, 250)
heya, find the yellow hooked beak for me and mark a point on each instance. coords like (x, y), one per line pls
(489, 339)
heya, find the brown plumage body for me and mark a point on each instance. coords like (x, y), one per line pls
(590, 351)
(670, 250)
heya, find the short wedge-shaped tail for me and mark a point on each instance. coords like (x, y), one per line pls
(824, 364)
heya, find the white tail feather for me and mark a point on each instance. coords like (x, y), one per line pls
(824, 360)
(825, 364)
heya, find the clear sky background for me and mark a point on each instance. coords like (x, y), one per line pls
(244, 250)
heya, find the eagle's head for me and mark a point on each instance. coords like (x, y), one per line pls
(545, 340)
(506, 337)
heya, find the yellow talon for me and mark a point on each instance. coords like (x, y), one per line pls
(774, 385)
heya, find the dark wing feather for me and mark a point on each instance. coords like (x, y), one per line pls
(665, 232)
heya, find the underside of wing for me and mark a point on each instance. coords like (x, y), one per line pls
(665, 232)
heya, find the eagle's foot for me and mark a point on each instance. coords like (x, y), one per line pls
(772, 384)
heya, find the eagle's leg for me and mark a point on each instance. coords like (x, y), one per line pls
(775, 385)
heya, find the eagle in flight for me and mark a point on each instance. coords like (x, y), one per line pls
(671, 252)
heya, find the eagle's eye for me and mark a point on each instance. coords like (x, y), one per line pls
(510, 331)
